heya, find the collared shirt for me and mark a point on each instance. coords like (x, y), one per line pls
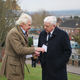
(23, 30)
(25, 34)
(50, 34)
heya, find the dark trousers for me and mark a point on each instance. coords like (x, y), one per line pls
(33, 63)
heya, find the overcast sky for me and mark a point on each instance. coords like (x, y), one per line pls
(36, 5)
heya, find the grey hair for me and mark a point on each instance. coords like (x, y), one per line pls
(24, 18)
(50, 19)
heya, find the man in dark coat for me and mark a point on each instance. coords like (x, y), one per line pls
(58, 50)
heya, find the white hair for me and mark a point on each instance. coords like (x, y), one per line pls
(24, 18)
(50, 19)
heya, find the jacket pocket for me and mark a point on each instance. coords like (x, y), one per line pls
(14, 66)
(15, 69)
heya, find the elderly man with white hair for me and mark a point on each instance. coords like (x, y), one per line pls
(58, 50)
(17, 48)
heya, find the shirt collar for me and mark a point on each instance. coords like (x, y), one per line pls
(23, 30)
(51, 32)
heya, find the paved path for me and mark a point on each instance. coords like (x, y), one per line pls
(70, 68)
(73, 69)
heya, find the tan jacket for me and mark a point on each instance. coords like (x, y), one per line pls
(15, 51)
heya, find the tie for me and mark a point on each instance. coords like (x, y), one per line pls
(49, 36)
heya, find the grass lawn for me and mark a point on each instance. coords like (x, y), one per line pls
(35, 74)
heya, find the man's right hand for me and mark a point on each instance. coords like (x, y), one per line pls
(36, 53)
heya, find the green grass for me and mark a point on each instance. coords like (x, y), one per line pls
(35, 74)
(73, 76)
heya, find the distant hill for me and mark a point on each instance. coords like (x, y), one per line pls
(66, 13)
(63, 13)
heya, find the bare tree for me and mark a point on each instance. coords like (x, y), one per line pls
(38, 18)
(7, 17)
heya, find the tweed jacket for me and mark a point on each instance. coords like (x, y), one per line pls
(15, 51)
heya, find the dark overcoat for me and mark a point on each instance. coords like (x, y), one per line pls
(58, 52)
(15, 51)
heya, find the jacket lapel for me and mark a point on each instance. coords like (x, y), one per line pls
(45, 37)
(54, 34)
(20, 31)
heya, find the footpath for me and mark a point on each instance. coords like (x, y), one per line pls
(73, 69)
(70, 68)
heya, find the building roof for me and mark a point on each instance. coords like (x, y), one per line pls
(71, 23)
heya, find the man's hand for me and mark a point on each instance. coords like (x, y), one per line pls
(36, 53)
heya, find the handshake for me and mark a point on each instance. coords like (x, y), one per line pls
(38, 50)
